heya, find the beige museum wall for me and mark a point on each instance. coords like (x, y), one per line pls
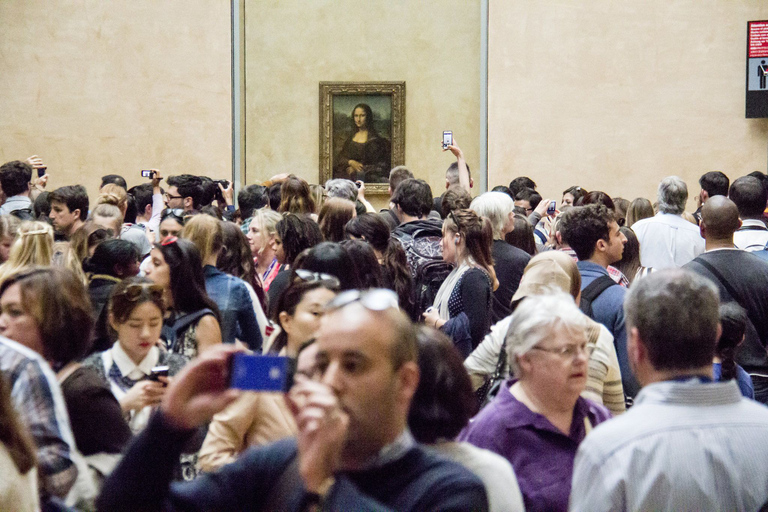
(292, 45)
(615, 95)
(114, 87)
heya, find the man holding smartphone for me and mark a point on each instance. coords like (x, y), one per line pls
(15, 178)
(353, 450)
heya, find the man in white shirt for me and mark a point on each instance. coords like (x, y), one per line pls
(667, 240)
(750, 197)
(688, 443)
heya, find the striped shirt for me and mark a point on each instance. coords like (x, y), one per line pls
(683, 446)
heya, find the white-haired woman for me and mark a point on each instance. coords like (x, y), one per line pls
(261, 231)
(508, 261)
(539, 419)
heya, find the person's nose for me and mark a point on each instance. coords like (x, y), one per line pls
(332, 377)
(3, 322)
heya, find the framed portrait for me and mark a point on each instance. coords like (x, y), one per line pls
(362, 131)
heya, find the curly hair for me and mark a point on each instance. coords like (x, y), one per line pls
(582, 226)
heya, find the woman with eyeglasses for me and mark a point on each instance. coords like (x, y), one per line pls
(191, 318)
(47, 310)
(260, 418)
(462, 307)
(538, 419)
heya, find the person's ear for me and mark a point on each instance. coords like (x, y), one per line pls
(112, 321)
(471, 183)
(703, 229)
(408, 381)
(76, 213)
(524, 363)
(285, 322)
(447, 184)
(148, 211)
(704, 196)
(601, 245)
(118, 270)
(636, 351)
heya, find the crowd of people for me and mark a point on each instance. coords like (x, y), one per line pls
(500, 352)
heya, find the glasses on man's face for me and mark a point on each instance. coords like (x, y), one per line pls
(134, 291)
(168, 197)
(311, 277)
(569, 351)
(375, 299)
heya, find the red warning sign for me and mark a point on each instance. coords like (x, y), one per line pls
(758, 39)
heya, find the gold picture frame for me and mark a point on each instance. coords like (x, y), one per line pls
(380, 145)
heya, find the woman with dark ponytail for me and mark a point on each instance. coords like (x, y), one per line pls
(462, 307)
(733, 318)
(397, 277)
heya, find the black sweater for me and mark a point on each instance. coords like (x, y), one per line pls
(420, 480)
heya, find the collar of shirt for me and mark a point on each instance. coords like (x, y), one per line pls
(746, 223)
(591, 267)
(690, 392)
(210, 271)
(130, 369)
(517, 415)
(17, 202)
(723, 249)
(393, 451)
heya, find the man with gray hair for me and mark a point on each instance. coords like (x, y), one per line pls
(667, 240)
(688, 443)
(508, 261)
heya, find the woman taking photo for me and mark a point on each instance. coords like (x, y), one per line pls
(538, 420)
(260, 418)
(192, 321)
(261, 232)
(462, 307)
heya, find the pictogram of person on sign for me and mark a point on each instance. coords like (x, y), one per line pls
(762, 72)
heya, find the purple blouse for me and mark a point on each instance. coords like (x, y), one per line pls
(540, 454)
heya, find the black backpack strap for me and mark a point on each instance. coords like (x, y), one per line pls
(169, 332)
(593, 291)
(712, 270)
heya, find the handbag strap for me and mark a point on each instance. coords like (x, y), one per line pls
(731, 291)
(502, 362)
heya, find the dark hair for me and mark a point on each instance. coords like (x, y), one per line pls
(414, 197)
(397, 274)
(750, 197)
(630, 259)
(714, 183)
(576, 191)
(369, 124)
(522, 236)
(334, 215)
(114, 179)
(397, 175)
(597, 197)
(275, 197)
(296, 196)
(520, 183)
(252, 197)
(236, 259)
(210, 191)
(760, 176)
(13, 433)
(297, 232)
(42, 206)
(444, 401)
(582, 226)
(478, 238)
(455, 198)
(188, 186)
(15, 177)
(130, 209)
(503, 188)
(58, 301)
(74, 196)
(121, 306)
(530, 195)
(676, 315)
(733, 319)
(330, 258)
(365, 262)
(288, 300)
(143, 196)
(187, 280)
(109, 254)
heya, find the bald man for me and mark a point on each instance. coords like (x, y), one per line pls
(741, 277)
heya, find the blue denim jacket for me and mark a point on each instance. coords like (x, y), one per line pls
(238, 320)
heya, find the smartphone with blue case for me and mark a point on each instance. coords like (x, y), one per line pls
(261, 373)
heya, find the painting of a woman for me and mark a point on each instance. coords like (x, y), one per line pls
(365, 155)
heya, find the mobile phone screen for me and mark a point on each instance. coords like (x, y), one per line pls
(41, 172)
(146, 173)
(261, 373)
(551, 208)
(447, 139)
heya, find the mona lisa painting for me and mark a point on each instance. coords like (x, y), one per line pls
(362, 131)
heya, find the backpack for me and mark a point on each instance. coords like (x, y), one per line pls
(24, 214)
(425, 260)
(593, 291)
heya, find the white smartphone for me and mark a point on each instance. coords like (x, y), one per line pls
(447, 139)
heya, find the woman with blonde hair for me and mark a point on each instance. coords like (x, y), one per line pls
(462, 306)
(261, 232)
(34, 246)
(112, 204)
(9, 230)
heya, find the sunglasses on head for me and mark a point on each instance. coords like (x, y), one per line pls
(375, 299)
(134, 291)
(176, 213)
(311, 277)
